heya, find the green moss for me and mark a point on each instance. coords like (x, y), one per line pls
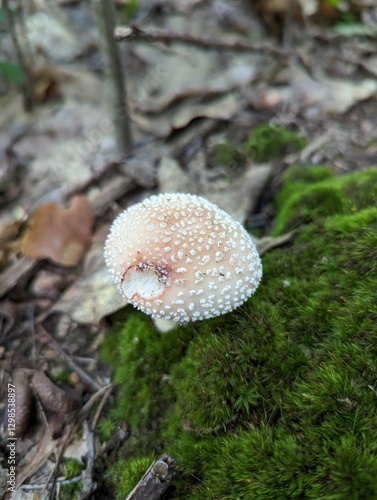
(306, 175)
(308, 196)
(72, 468)
(277, 399)
(125, 474)
(63, 376)
(142, 358)
(106, 428)
(270, 141)
(226, 155)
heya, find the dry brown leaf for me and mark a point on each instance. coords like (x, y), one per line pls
(23, 399)
(60, 234)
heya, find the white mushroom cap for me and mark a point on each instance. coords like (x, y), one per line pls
(179, 257)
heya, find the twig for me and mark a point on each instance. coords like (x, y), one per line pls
(129, 33)
(104, 11)
(27, 86)
(60, 482)
(83, 375)
(100, 407)
(89, 485)
(156, 480)
(89, 404)
(82, 414)
(288, 18)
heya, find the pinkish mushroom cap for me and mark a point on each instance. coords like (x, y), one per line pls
(179, 257)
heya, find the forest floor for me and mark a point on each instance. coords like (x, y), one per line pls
(193, 109)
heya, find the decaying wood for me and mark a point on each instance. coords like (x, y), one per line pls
(156, 480)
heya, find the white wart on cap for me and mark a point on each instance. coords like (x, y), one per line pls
(179, 257)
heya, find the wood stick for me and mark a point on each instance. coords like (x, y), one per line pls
(156, 480)
(104, 11)
(133, 33)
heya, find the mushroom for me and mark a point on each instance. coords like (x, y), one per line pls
(179, 257)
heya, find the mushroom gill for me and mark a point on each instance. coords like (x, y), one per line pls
(179, 257)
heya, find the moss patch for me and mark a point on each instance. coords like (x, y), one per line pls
(269, 141)
(312, 194)
(277, 399)
(226, 154)
(125, 474)
(72, 468)
(143, 358)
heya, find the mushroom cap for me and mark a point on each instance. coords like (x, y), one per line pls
(179, 257)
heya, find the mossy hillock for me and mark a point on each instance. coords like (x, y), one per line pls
(310, 194)
(278, 399)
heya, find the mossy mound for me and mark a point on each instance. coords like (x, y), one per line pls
(279, 398)
(309, 194)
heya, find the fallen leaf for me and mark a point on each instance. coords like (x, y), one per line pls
(222, 108)
(81, 300)
(329, 95)
(240, 196)
(370, 64)
(237, 197)
(61, 167)
(53, 37)
(173, 179)
(59, 234)
(23, 399)
(188, 72)
(269, 242)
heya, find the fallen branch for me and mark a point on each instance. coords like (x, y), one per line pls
(156, 480)
(133, 33)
